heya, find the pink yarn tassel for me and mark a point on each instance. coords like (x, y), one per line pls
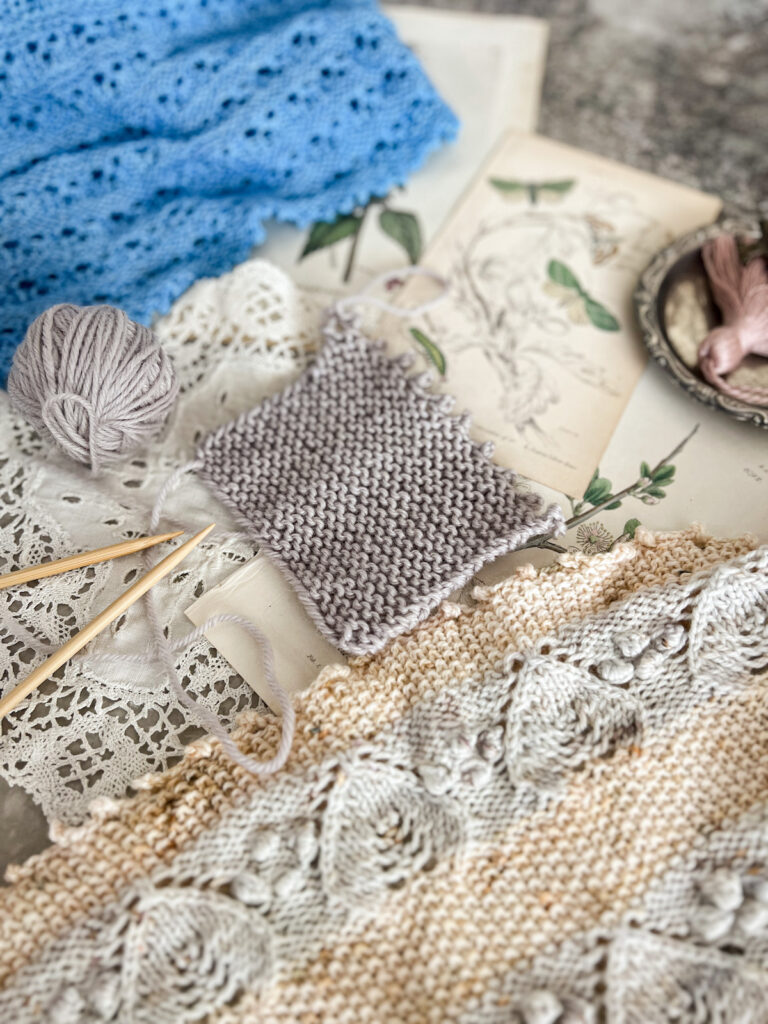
(742, 296)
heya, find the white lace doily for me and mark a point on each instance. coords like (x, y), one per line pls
(95, 727)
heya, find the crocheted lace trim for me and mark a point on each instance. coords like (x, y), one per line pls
(88, 733)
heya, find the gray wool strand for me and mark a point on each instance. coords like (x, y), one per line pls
(93, 381)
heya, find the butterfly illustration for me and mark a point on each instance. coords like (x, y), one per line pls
(579, 305)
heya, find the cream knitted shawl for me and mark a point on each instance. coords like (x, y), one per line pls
(543, 809)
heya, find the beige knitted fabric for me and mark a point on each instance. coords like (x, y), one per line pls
(416, 860)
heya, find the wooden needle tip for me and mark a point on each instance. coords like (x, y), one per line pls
(162, 537)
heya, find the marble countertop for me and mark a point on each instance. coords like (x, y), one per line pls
(679, 89)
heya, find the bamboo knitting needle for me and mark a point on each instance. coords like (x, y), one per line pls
(103, 619)
(43, 569)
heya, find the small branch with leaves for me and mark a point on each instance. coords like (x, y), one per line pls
(399, 225)
(649, 487)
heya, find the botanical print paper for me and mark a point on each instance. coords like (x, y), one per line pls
(721, 474)
(537, 338)
(718, 478)
(489, 69)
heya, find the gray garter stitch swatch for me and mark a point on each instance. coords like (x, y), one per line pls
(369, 496)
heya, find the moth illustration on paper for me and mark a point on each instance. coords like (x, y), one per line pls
(536, 339)
(525, 281)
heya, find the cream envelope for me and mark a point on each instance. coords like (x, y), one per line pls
(257, 591)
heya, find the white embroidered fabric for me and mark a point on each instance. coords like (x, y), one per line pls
(96, 726)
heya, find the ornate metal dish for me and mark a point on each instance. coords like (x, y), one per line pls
(675, 311)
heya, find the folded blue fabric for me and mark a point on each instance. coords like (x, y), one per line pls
(143, 144)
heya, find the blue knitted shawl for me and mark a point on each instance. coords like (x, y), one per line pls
(143, 143)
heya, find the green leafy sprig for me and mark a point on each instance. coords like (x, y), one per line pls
(399, 225)
(650, 488)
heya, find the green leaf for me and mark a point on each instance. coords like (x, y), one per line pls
(558, 186)
(404, 229)
(508, 186)
(600, 316)
(613, 505)
(630, 526)
(325, 233)
(664, 474)
(431, 350)
(594, 477)
(657, 492)
(560, 274)
(645, 470)
(598, 489)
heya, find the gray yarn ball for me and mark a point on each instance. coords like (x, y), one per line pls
(93, 381)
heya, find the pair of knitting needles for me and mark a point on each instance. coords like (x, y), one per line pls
(87, 633)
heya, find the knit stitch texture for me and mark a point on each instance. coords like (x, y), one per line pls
(548, 809)
(373, 500)
(143, 145)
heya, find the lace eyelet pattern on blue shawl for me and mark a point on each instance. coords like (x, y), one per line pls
(143, 145)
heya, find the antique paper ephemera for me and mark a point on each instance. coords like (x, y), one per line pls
(537, 338)
(257, 590)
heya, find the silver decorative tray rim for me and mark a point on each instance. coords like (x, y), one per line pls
(646, 298)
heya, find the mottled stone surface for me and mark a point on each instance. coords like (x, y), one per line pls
(676, 87)
(24, 830)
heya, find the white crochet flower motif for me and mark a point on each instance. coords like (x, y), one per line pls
(40, 614)
(655, 980)
(729, 902)
(380, 827)
(729, 625)
(559, 717)
(187, 951)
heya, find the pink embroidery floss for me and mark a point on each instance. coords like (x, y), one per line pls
(741, 293)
